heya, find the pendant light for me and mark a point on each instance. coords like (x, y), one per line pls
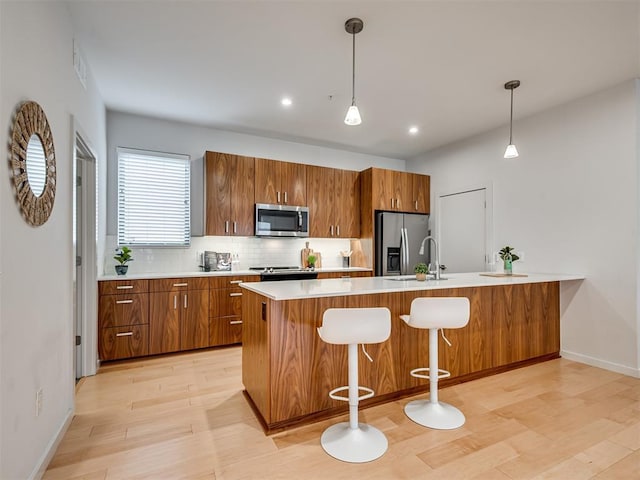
(511, 151)
(353, 26)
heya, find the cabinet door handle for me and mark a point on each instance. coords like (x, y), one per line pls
(278, 197)
(185, 284)
(124, 287)
(185, 300)
(337, 230)
(331, 230)
(416, 204)
(235, 322)
(175, 302)
(235, 281)
(285, 197)
(119, 302)
(235, 294)
(124, 334)
(226, 226)
(235, 227)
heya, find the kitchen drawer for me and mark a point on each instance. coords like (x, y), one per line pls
(231, 281)
(113, 287)
(122, 310)
(177, 284)
(124, 342)
(225, 330)
(225, 302)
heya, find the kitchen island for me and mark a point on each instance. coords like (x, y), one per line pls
(288, 371)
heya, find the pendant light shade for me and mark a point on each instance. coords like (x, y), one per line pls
(353, 26)
(511, 151)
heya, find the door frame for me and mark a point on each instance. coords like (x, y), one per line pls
(86, 308)
(489, 259)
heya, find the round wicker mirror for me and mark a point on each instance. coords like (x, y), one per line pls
(33, 163)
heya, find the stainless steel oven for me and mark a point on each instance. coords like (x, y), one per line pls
(281, 221)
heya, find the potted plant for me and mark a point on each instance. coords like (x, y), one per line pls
(508, 257)
(311, 260)
(123, 255)
(421, 271)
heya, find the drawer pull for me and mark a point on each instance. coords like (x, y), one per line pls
(235, 294)
(235, 281)
(124, 287)
(125, 334)
(124, 301)
(235, 322)
(185, 284)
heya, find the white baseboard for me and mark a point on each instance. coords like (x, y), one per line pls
(46, 457)
(596, 362)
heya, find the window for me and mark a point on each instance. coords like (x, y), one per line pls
(153, 199)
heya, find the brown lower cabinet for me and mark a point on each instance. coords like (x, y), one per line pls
(225, 312)
(149, 317)
(123, 319)
(178, 316)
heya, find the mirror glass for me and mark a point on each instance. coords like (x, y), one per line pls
(36, 165)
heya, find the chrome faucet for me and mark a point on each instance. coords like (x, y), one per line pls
(435, 264)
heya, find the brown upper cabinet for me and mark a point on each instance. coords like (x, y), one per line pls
(333, 197)
(229, 194)
(280, 183)
(398, 191)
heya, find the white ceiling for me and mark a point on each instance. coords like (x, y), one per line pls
(438, 65)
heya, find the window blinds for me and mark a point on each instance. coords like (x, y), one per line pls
(153, 199)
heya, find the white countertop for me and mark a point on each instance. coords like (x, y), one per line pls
(216, 273)
(297, 289)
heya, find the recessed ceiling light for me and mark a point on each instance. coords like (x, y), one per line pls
(413, 130)
(286, 101)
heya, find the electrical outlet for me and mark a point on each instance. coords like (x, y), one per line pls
(39, 395)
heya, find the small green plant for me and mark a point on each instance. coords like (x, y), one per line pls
(311, 260)
(123, 255)
(506, 252)
(421, 268)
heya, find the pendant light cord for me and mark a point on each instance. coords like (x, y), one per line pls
(353, 70)
(511, 120)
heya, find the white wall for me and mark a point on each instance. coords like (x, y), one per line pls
(570, 202)
(36, 318)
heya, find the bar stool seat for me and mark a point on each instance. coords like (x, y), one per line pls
(352, 441)
(436, 313)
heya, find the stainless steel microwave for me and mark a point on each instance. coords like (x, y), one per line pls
(281, 221)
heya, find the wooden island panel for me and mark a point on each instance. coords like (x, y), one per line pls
(288, 371)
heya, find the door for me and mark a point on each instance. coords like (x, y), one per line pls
(389, 243)
(416, 230)
(463, 231)
(84, 246)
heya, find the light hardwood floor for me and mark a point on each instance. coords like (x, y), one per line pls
(184, 416)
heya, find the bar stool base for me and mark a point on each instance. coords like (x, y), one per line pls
(364, 444)
(440, 416)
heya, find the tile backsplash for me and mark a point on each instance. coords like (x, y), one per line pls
(246, 252)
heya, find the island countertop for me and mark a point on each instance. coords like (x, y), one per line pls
(300, 289)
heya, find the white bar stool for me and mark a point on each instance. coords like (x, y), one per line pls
(434, 314)
(352, 441)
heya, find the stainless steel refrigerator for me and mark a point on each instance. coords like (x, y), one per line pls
(398, 237)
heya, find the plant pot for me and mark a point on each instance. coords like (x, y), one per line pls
(421, 277)
(508, 266)
(122, 269)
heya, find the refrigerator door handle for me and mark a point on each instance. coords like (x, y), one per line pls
(406, 252)
(403, 251)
